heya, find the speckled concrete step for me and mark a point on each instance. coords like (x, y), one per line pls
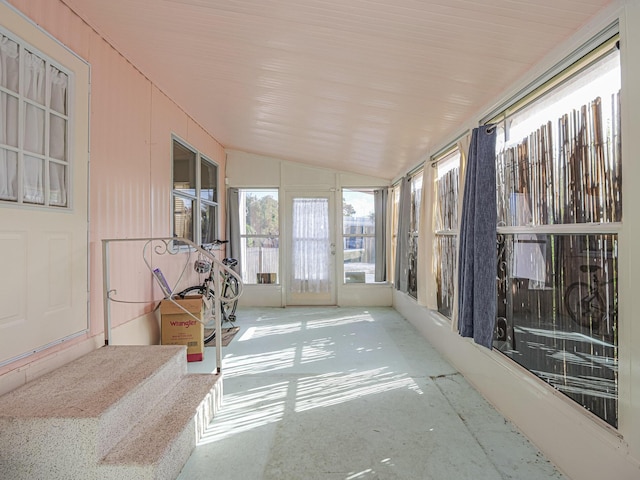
(160, 444)
(147, 374)
(62, 424)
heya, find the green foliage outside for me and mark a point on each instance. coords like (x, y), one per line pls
(261, 216)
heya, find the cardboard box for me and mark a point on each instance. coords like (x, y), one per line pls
(180, 328)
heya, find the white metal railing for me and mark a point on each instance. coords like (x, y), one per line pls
(167, 246)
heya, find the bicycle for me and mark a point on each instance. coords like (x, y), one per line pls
(585, 303)
(229, 289)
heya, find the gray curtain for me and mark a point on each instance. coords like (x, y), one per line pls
(380, 197)
(233, 225)
(477, 262)
(402, 247)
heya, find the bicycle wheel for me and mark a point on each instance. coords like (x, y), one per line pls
(230, 291)
(209, 313)
(584, 307)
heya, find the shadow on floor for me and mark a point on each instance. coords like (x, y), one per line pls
(350, 393)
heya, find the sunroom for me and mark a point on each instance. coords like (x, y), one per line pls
(460, 163)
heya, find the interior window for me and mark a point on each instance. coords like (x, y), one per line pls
(559, 208)
(414, 226)
(259, 235)
(445, 219)
(195, 189)
(395, 213)
(359, 235)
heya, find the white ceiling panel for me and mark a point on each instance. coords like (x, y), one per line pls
(367, 86)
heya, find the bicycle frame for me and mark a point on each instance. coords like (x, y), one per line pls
(224, 288)
(595, 293)
(589, 309)
(221, 288)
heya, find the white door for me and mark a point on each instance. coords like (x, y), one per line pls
(310, 249)
(43, 286)
(43, 248)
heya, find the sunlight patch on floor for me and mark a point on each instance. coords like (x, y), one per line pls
(338, 321)
(318, 350)
(259, 363)
(335, 388)
(255, 333)
(261, 406)
(369, 472)
(245, 411)
(268, 404)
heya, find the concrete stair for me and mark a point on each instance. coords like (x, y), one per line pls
(120, 412)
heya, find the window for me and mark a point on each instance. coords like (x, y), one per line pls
(395, 214)
(559, 208)
(359, 235)
(35, 121)
(259, 235)
(406, 200)
(195, 189)
(414, 225)
(445, 227)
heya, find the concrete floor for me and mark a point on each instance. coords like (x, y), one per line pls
(350, 393)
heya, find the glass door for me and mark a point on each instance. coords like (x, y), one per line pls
(311, 259)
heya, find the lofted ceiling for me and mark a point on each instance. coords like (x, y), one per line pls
(366, 86)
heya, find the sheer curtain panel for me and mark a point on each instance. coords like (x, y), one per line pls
(402, 248)
(233, 226)
(381, 197)
(9, 68)
(34, 90)
(311, 245)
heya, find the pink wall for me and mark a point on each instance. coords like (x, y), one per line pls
(130, 170)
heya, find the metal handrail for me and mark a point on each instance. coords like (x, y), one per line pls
(172, 246)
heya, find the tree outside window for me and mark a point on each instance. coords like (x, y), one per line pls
(259, 235)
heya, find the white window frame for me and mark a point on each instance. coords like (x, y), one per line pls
(196, 197)
(450, 156)
(414, 229)
(243, 261)
(24, 46)
(394, 194)
(357, 235)
(602, 227)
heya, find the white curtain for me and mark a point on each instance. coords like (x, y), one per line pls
(381, 202)
(427, 288)
(9, 68)
(402, 246)
(34, 89)
(311, 245)
(33, 126)
(59, 83)
(234, 248)
(57, 184)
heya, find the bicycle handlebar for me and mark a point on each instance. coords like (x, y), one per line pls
(214, 243)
